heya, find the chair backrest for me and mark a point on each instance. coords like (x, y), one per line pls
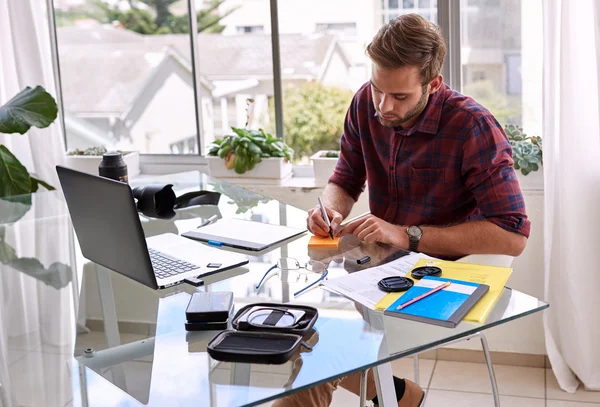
(501, 260)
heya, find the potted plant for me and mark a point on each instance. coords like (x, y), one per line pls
(324, 163)
(89, 159)
(249, 154)
(527, 155)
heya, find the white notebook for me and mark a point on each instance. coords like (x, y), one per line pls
(243, 234)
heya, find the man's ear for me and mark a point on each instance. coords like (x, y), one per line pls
(435, 84)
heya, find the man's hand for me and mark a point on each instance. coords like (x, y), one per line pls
(371, 229)
(316, 224)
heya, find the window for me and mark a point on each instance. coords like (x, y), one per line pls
(496, 37)
(128, 80)
(248, 29)
(394, 8)
(348, 29)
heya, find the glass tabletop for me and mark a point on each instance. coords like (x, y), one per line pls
(75, 333)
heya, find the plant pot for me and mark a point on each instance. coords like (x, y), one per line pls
(268, 168)
(90, 163)
(323, 166)
(534, 181)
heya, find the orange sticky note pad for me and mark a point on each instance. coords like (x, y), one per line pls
(323, 242)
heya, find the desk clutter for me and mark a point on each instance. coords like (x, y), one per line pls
(267, 333)
(385, 287)
(492, 276)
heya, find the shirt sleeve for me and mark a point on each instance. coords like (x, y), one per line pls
(490, 176)
(350, 171)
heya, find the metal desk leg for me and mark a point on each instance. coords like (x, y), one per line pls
(416, 368)
(488, 362)
(363, 388)
(111, 327)
(386, 393)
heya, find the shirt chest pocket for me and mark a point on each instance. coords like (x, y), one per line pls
(430, 186)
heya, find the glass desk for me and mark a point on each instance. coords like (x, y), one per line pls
(138, 351)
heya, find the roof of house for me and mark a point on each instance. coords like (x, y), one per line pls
(112, 65)
(223, 56)
(105, 78)
(96, 34)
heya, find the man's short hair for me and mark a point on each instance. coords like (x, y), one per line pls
(409, 40)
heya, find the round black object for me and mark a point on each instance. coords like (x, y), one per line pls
(395, 284)
(113, 166)
(430, 271)
(155, 201)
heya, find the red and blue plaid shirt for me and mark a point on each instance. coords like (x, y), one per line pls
(454, 165)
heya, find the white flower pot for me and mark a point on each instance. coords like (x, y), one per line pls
(534, 181)
(90, 163)
(323, 166)
(269, 168)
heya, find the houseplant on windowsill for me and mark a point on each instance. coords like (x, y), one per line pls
(250, 154)
(527, 156)
(88, 160)
(324, 163)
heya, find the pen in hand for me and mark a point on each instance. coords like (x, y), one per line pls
(325, 216)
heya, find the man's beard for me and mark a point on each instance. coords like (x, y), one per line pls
(412, 113)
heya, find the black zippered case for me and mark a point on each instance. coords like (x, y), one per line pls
(268, 342)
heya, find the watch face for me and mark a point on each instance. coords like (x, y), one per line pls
(414, 231)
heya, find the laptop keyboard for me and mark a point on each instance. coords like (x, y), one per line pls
(166, 266)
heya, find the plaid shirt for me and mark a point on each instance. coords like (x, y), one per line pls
(454, 165)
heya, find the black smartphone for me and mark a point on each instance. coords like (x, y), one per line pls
(209, 306)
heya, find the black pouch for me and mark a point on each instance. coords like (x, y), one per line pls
(265, 333)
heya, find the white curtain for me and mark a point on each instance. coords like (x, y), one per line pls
(25, 60)
(34, 317)
(572, 190)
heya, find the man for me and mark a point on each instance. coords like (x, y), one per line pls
(438, 166)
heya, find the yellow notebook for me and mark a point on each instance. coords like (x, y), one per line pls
(495, 277)
(323, 242)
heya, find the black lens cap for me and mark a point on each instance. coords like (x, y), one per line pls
(395, 284)
(429, 271)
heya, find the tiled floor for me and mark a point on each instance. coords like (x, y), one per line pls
(454, 384)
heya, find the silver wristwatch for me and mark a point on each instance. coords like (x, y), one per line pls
(414, 237)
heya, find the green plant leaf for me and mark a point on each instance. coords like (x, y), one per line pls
(532, 159)
(523, 164)
(30, 107)
(535, 167)
(35, 183)
(14, 208)
(7, 253)
(525, 171)
(14, 178)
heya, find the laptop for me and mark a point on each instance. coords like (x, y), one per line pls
(108, 227)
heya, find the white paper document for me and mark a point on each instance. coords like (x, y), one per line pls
(362, 285)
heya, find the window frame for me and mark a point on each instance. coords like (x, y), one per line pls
(448, 14)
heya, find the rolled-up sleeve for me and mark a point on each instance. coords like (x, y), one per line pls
(490, 176)
(350, 172)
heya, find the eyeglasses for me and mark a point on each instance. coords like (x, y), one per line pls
(295, 271)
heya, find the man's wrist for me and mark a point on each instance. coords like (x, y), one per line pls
(401, 237)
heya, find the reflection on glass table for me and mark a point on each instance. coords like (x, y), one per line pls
(151, 359)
